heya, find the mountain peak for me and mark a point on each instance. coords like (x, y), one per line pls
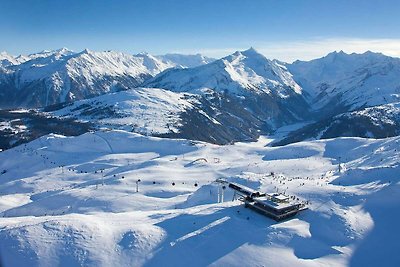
(4, 53)
(63, 50)
(146, 55)
(251, 50)
(142, 54)
(252, 53)
(6, 59)
(86, 51)
(336, 53)
(373, 54)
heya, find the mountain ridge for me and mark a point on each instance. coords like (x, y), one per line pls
(236, 98)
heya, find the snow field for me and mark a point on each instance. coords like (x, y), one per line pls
(72, 201)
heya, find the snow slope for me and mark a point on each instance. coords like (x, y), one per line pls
(72, 201)
(143, 110)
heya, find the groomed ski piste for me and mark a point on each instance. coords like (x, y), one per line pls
(73, 201)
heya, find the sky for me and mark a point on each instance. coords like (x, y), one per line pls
(281, 29)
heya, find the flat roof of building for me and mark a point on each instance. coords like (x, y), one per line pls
(278, 196)
(277, 205)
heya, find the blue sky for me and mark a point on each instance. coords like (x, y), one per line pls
(283, 29)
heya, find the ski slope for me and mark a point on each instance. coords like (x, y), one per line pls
(72, 201)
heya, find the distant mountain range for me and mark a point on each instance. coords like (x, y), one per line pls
(52, 77)
(345, 82)
(234, 98)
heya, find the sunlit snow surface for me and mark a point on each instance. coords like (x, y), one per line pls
(89, 213)
(144, 110)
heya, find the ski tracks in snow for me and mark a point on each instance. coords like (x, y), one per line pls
(200, 231)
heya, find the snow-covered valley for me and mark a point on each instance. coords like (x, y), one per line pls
(72, 201)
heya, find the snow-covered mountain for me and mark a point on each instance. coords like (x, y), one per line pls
(7, 60)
(185, 61)
(46, 53)
(344, 82)
(60, 76)
(263, 87)
(155, 64)
(350, 95)
(251, 103)
(235, 98)
(240, 73)
(51, 77)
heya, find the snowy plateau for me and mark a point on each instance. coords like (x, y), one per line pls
(110, 159)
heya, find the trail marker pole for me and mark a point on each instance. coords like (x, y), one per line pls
(137, 185)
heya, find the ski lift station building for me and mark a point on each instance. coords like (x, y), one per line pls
(274, 205)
